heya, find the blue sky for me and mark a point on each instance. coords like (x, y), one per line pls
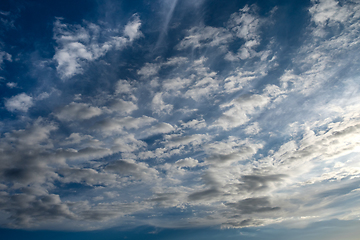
(179, 118)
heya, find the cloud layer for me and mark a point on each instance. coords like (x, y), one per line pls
(220, 127)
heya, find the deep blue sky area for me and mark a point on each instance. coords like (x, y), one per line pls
(179, 119)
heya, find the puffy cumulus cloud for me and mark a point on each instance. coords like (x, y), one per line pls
(132, 28)
(77, 111)
(79, 44)
(187, 162)
(21, 102)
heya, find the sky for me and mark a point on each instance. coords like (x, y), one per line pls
(173, 119)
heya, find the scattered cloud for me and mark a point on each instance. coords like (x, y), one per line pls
(21, 102)
(222, 125)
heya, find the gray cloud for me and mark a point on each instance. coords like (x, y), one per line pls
(205, 194)
(129, 167)
(78, 111)
(253, 205)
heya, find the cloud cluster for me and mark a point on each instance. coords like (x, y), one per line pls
(222, 131)
(78, 44)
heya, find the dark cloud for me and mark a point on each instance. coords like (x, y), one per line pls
(205, 194)
(253, 205)
(253, 183)
(28, 210)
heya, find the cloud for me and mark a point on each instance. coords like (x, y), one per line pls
(11, 85)
(124, 107)
(251, 205)
(4, 56)
(128, 167)
(329, 11)
(77, 111)
(226, 127)
(132, 28)
(87, 176)
(205, 194)
(21, 102)
(187, 162)
(28, 210)
(240, 109)
(204, 37)
(159, 106)
(78, 44)
(160, 129)
(112, 125)
(128, 143)
(149, 69)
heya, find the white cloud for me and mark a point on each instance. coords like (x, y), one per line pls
(77, 111)
(159, 129)
(21, 102)
(226, 144)
(116, 125)
(80, 44)
(195, 123)
(4, 56)
(149, 69)
(205, 37)
(159, 106)
(124, 107)
(132, 28)
(11, 85)
(240, 110)
(329, 10)
(253, 129)
(187, 162)
(176, 84)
